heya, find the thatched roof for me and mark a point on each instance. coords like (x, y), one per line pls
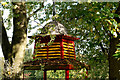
(54, 28)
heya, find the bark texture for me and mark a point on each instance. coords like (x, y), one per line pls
(6, 47)
(15, 51)
(114, 64)
(19, 38)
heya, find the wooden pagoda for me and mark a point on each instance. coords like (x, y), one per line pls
(60, 55)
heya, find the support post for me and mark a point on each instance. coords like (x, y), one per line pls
(45, 74)
(86, 74)
(62, 50)
(66, 74)
(23, 74)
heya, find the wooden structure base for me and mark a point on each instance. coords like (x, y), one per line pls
(56, 64)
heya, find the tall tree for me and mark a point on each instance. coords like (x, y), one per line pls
(19, 39)
(97, 26)
(14, 52)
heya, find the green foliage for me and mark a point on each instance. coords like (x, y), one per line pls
(88, 21)
(28, 55)
(93, 23)
(117, 55)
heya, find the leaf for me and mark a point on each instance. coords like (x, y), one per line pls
(112, 31)
(117, 55)
(4, 3)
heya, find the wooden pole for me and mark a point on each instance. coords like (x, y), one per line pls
(66, 74)
(53, 7)
(23, 74)
(87, 74)
(45, 74)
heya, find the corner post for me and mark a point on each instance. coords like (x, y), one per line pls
(45, 74)
(66, 74)
(86, 74)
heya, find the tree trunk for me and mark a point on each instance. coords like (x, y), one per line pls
(5, 43)
(114, 64)
(19, 38)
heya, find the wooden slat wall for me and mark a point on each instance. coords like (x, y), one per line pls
(52, 52)
(68, 50)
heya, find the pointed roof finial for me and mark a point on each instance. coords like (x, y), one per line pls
(53, 7)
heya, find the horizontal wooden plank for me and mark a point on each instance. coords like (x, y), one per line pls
(48, 46)
(68, 49)
(54, 48)
(53, 51)
(42, 52)
(39, 51)
(65, 46)
(48, 51)
(68, 52)
(41, 55)
(69, 55)
(65, 43)
(48, 57)
(53, 57)
(54, 54)
(57, 54)
(52, 43)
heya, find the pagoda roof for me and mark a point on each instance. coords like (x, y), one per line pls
(62, 36)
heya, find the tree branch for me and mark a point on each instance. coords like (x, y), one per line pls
(107, 31)
(100, 44)
(34, 12)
